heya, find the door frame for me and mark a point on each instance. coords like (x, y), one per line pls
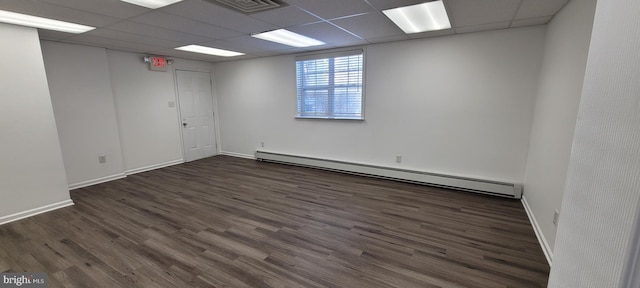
(214, 110)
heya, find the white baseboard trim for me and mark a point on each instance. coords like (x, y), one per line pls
(548, 253)
(239, 155)
(154, 167)
(97, 181)
(457, 182)
(123, 175)
(35, 211)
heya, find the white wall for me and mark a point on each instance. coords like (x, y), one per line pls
(149, 129)
(561, 77)
(109, 103)
(80, 87)
(459, 104)
(32, 174)
(603, 182)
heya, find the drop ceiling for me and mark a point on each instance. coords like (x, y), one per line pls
(339, 23)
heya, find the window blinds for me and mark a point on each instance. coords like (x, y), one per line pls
(329, 85)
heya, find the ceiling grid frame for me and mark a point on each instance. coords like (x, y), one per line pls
(127, 27)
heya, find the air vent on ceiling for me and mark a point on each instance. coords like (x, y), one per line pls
(250, 6)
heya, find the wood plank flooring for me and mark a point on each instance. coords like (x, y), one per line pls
(230, 222)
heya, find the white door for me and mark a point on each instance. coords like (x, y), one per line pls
(196, 110)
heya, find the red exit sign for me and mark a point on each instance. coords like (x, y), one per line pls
(157, 63)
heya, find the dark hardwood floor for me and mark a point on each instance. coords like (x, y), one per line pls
(230, 222)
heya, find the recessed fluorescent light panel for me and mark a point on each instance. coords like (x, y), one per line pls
(43, 23)
(152, 4)
(423, 17)
(209, 51)
(289, 38)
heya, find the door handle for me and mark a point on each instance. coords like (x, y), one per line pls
(184, 124)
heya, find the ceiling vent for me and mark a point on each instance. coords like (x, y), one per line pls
(250, 6)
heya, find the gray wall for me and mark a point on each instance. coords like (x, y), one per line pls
(460, 105)
(109, 103)
(603, 180)
(80, 86)
(556, 109)
(32, 174)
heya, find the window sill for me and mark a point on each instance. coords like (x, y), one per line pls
(329, 118)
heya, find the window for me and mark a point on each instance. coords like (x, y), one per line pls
(329, 86)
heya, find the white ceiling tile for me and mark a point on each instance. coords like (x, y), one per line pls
(212, 58)
(531, 21)
(130, 38)
(245, 44)
(157, 32)
(218, 16)
(432, 33)
(53, 35)
(371, 25)
(355, 42)
(386, 4)
(286, 16)
(474, 12)
(270, 53)
(110, 43)
(293, 50)
(258, 45)
(112, 8)
(189, 55)
(44, 9)
(330, 9)
(388, 39)
(178, 23)
(538, 8)
(127, 27)
(223, 44)
(483, 27)
(255, 55)
(358, 42)
(248, 56)
(326, 33)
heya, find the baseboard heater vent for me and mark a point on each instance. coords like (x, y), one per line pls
(495, 188)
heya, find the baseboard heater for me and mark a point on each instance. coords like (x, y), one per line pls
(495, 188)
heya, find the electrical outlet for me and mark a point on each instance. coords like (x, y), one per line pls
(398, 159)
(172, 104)
(556, 215)
(262, 144)
(102, 159)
